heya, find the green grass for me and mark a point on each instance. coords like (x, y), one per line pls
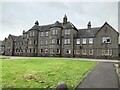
(44, 72)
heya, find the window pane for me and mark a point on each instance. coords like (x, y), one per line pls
(78, 41)
(68, 41)
(84, 40)
(90, 40)
(53, 41)
(41, 33)
(106, 40)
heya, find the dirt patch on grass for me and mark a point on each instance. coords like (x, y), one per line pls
(33, 77)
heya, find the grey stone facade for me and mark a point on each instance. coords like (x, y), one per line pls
(64, 40)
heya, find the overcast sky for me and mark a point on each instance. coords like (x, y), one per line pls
(19, 16)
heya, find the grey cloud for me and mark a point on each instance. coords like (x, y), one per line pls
(17, 16)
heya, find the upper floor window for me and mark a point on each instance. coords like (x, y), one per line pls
(46, 33)
(67, 31)
(30, 42)
(58, 41)
(78, 41)
(27, 35)
(66, 41)
(41, 34)
(46, 42)
(53, 41)
(106, 40)
(90, 40)
(30, 34)
(33, 33)
(84, 41)
(55, 31)
(35, 42)
(41, 42)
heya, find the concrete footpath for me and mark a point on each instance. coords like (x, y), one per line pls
(102, 76)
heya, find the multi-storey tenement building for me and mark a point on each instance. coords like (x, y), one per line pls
(64, 40)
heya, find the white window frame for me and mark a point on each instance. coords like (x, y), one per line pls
(53, 51)
(53, 41)
(41, 42)
(66, 41)
(41, 34)
(46, 50)
(77, 52)
(84, 52)
(58, 40)
(30, 42)
(41, 50)
(54, 31)
(33, 33)
(104, 39)
(90, 40)
(67, 31)
(91, 52)
(78, 41)
(106, 52)
(46, 42)
(46, 33)
(84, 41)
(67, 51)
(58, 51)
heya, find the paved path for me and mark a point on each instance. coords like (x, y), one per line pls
(102, 76)
(84, 59)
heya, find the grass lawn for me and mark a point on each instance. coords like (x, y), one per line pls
(43, 72)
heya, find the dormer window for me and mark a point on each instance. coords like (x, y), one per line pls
(106, 40)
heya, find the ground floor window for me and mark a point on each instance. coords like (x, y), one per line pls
(84, 52)
(34, 50)
(41, 50)
(91, 52)
(77, 52)
(46, 50)
(58, 51)
(30, 50)
(107, 52)
(67, 51)
(52, 51)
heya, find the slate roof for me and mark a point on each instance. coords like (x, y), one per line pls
(45, 27)
(87, 32)
(14, 37)
(69, 25)
(19, 38)
(57, 24)
(35, 27)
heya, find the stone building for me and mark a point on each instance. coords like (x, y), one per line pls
(65, 40)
